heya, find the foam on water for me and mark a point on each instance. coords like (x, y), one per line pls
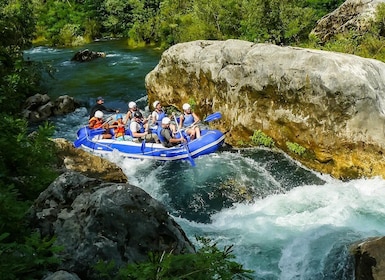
(304, 233)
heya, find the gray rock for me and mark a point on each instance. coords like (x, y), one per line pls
(352, 15)
(98, 221)
(39, 107)
(62, 275)
(64, 104)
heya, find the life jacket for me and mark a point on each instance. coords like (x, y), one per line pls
(141, 128)
(98, 122)
(161, 115)
(161, 138)
(120, 130)
(188, 120)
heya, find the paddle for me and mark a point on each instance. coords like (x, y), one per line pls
(143, 146)
(191, 160)
(92, 132)
(213, 117)
(210, 118)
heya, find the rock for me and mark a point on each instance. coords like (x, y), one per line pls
(370, 259)
(62, 275)
(352, 15)
(65, 104)
(86, 163)
(332, 104)
(87, 55)
(98, 221)
(39, 107)
(34, 102)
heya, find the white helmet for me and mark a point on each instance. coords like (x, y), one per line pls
(131, 105)
(186, 106)
(155, 103)
(166, 120)
(99, 114)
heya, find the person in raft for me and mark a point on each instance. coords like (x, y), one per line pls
(132, 108)
(189, 122)
(120, 129)
(99, 106)
(166, 136)
(157, 116)
(97, 122)
(139, 129)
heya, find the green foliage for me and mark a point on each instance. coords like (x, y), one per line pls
(25, 160)
(260, 138)
(208, 262)
(167, 22)
(18, 79)
(27, 260)
(295, 148)
(192, 103)
(368, 43)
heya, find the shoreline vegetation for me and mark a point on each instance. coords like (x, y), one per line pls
(162, 24)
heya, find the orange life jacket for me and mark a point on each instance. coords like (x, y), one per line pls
(119, 131)
(94, 122)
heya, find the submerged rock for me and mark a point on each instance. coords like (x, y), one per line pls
(87, 55)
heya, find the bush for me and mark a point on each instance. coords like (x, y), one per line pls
(295, 148)
(207, 263)
(260, 138)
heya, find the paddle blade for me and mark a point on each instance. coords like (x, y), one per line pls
(143, 146)
(213, 117)
(190, 159)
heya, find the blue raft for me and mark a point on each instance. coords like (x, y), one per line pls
(209, 142)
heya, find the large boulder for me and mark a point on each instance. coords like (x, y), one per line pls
(97, 221)
(332, 104)
(352, 15)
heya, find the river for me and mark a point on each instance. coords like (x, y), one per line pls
(285, 221)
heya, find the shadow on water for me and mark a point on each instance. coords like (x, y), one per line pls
(223, 179)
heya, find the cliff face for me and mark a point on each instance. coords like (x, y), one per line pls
(332, 104)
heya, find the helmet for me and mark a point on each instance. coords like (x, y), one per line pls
(186, 106)
(166, 120)
(131, 105)
(99, 114)
(155, 103)
(138, 115)
(119, 116)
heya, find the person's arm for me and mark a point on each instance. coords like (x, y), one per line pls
(110, 109)
(154, 118)
(177, 140)
(181, 119)
(127, 117)
(196, 119)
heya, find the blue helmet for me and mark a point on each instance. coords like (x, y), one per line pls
(119, 116)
